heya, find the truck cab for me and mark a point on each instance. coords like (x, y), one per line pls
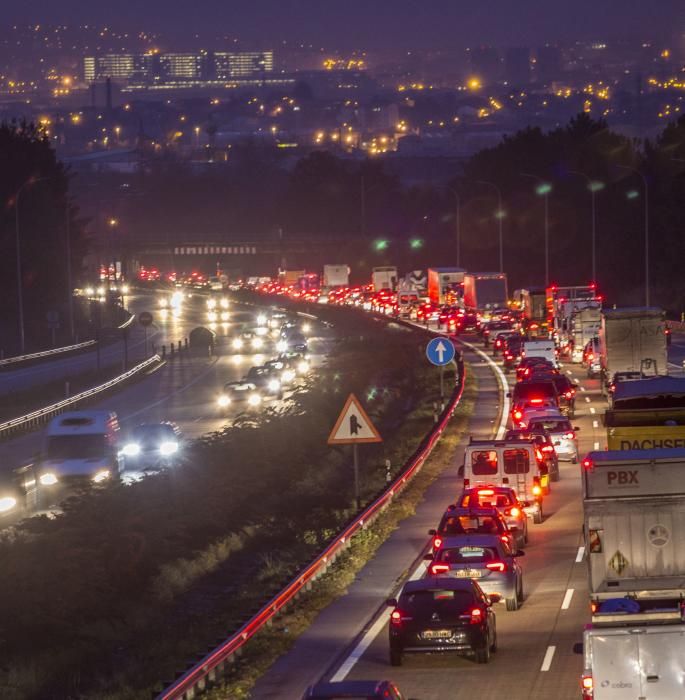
(511, 463)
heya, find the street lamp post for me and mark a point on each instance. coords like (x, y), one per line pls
(499, 215)
(457, 222)
(646, 188)
(543, 189)
(593, 186)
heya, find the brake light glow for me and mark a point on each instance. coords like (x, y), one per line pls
(587, 463)
(537, 490)
(537, 402)
(538, 455)
(505, 538)
(437, 569)
(486, 492)
(548, 448)
(591, 356)
(568, 394)
(518, 415)
(476, 616)
(588, 686)
(396, 617)
(515, 512)
(496, 566)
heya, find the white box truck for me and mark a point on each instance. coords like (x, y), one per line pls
(384, 278)
(336, 276)
(485, 291)
(632, 340)
(634, 519)
(445, 285)
(583, 325)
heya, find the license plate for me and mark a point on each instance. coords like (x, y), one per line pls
(436, 634)
(469, 573)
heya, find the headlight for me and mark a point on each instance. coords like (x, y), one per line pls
(223, 400)
(101, 476)
(257, 343)
(224, 303)
(261, 320)
(225, 315)
(288, 375)
(211, 303)
(7, 503)
(48, 479)
(168, 448)
(163, 302)
(101, 290)
(177, 298)
(306, 327)
(211, 315)
(237, 343)
(90, 291)
(132, 449)
(303, 367)
(254, 399)
(274, 385)
(281, 346)
(125, 289)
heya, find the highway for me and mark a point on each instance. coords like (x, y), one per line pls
(535, 659)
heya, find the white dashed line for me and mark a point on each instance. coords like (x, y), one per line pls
(587, 399)
(581, 554)
(596, 447)
(593, 410)
(568, 371)
(566, 603)
(547, 661)
(582, 388)
(595, 424)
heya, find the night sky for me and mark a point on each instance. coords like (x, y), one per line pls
(376, 23)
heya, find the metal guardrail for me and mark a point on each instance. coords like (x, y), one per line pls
(46, 353)
(212, 666)
(36, 418)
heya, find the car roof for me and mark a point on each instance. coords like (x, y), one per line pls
(478, 540)
(476, 510)
(439, 583)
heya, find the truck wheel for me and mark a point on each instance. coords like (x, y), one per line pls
(537, 516)
(395, 657)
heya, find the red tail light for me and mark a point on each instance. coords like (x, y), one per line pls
(513, 511)
(396, 617)
(536, 402)
(518, 415)
(505, 538)
(548, 448)
(569, 436)
(498, 342)
(486, 492)
(538, 455)
(587, 463)
(568, 394)
(437, 569)
(588, 687)
(437, 542)
(591, 356)
(496, 566)
(476, 616)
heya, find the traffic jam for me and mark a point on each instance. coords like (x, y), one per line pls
(587, 399)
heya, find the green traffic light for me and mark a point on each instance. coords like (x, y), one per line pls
(381, 244)
(416, 243)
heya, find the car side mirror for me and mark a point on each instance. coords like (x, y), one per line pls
(432, 532)
(494, 598)
(519, 553)
(391, 602)
(576, 428)
(428, 557)
(578, 648)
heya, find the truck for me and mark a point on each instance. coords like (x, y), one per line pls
(632, 340)
(414, 281)
(336, 276)
(533, 305)
(289, 278)
(634, 512)
(646, 414)
(583, 326)
(445, 285)
(384, 278)
(485, 291)
(562, 302)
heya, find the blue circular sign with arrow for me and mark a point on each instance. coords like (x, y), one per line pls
(440, 351)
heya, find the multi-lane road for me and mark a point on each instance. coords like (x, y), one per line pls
(535, 660)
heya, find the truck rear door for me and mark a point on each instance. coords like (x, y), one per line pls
(662, 662)
(615, 673)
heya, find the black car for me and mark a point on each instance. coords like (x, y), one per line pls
(544, 443)
(353, 690)
(438, 615)
(18, 493)
(152, 446)
(470, 322)
(566, 391)
(266, 379)
(511, 351)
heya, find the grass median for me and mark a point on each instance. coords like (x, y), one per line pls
(131, 582)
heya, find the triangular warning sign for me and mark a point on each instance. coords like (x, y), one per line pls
(353, 425)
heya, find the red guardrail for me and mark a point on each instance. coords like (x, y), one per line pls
(211, 666)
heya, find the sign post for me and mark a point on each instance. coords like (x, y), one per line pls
(53, 323)
(440, 351)
(145, 320)
(353, 427)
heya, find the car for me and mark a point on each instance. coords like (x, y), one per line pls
(18, 492)
(486, 558)
(591, 357)
(470, 322)
(489, 331)
(534, 395)
(544, 443)
(286, 374)
(499, 341)
(467, 521)
(152, 446)
(427, 312)
(239, 393)
(507, 503)
(266, 379)
(562, 432)
(511, 352)
(296, 361)
(353, 690)
(442, 615)
(528, 365)
(566, 389)
(248, 341)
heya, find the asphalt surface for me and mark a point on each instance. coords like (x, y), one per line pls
(535, 660)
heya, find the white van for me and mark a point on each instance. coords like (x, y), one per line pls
(541, 348)
(80, 446)
(515, 463)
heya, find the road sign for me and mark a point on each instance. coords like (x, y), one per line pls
(145, 318)
(440, 351)
(353, 425)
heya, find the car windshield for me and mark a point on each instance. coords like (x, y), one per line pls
(76, 446)
(152, 433)
(530, 390)
(516, 461)
(467, 555)
(423, 604)
(469, 525)
(484, 462)
(554, 425)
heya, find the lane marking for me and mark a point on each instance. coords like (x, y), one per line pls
(593, 410)
(566, 603)
(587, 399)
(596, 447)
(547, 661)
(581, 554)
(582, 388)
(568, 371)
(595, 424)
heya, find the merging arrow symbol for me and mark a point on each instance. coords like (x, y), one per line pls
(441, 349)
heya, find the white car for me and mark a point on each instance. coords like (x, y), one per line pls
(562, 432)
